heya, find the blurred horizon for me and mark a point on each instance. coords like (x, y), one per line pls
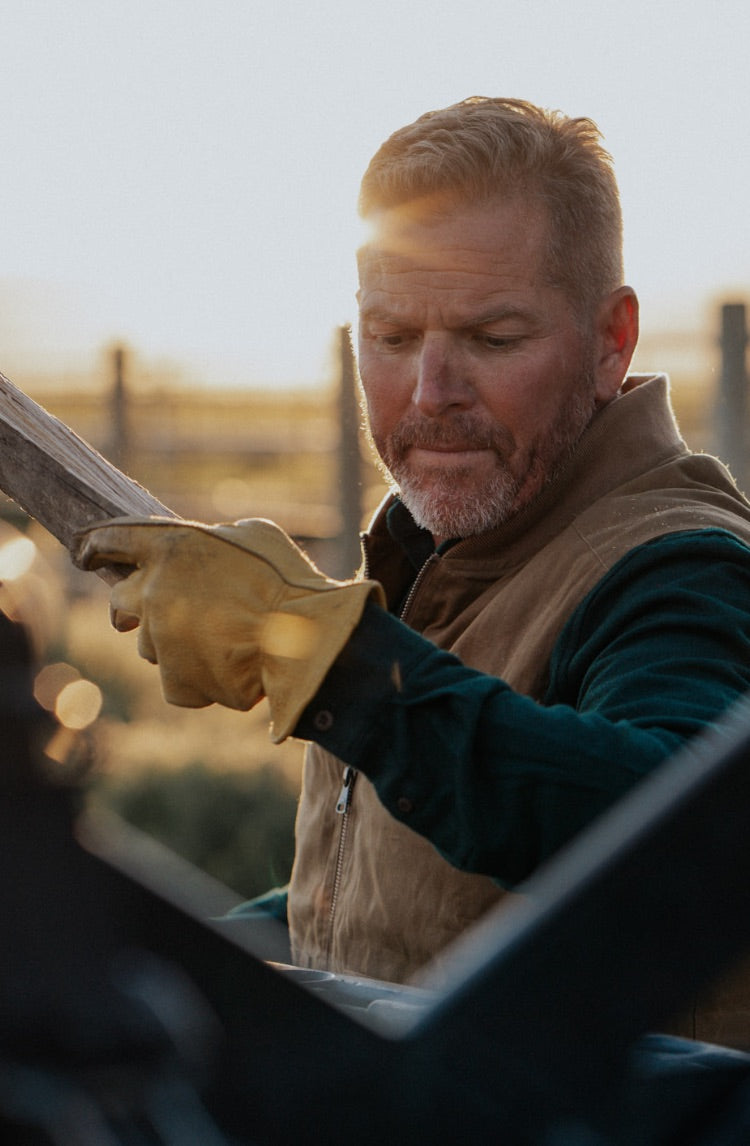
(183, 180)
(690, 355)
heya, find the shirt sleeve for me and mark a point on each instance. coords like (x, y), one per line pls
(653, 655)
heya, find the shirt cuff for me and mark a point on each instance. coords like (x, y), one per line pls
(367, 673)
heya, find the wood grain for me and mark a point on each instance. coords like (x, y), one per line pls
(57, 477)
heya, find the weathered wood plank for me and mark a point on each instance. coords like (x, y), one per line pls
(58, 478)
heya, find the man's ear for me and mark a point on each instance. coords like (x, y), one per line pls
(616, 335)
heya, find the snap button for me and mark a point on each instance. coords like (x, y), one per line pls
(404, 804)
(323, 720)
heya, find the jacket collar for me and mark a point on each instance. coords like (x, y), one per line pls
(637, 428)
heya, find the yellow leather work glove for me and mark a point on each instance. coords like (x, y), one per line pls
(230, 613)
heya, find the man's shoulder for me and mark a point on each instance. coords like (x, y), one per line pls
(691, 493)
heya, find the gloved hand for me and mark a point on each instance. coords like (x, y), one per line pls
(230, 613)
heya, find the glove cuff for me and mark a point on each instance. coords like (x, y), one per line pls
(300, 642)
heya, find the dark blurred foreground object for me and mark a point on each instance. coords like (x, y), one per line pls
(130, 1015)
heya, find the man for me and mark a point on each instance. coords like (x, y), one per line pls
(573, 586)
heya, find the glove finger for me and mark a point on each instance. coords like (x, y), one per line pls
(128, 543)
(146, 646)
(126, 603)
(122, 621)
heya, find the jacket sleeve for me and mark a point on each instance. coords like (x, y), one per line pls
(271, 904)
(263, 923)
(654, 654)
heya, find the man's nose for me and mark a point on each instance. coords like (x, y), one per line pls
(441, 383)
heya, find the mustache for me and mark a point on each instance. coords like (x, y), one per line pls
(459, 432)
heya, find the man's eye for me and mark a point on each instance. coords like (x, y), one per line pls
(391, 340)
(496, 341)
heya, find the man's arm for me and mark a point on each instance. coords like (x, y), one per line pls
(497, 782)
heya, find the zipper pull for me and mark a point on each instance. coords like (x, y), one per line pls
(345, 795)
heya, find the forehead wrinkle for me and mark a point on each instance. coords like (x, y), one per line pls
(467, 270)
(475, 315)
(393, 297)
(424, 231)
(475, 267)
(488, 287)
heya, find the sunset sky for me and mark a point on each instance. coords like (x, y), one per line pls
(182, 175)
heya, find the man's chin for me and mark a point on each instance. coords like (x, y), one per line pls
(457, 513)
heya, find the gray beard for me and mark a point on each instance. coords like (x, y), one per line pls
(446, 511)
(445, 502)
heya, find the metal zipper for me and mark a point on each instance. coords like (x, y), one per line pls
(343, 805)
(345, 795)
(416, 584)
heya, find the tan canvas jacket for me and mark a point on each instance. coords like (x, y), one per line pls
(368, 894)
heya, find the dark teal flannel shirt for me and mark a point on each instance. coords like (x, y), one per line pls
(654, 654)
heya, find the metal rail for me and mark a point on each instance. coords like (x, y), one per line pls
(116, 980)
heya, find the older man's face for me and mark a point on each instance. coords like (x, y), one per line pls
(477, 377)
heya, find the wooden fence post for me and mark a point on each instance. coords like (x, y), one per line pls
(731, 411)
(119, 441)
(349, 470)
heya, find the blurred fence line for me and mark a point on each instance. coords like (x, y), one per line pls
(299, 457)
(296, 457)
(732, 402)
